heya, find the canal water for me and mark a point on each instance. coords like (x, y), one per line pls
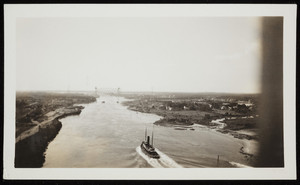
(108, 135)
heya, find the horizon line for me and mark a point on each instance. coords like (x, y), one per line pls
(189, 92)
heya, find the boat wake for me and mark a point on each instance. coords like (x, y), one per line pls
(163, 162)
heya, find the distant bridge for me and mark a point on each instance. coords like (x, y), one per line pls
(103, 90)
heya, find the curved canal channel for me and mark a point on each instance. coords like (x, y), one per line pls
(108, 135)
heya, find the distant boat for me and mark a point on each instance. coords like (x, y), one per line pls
(148, 148)
(103, 101)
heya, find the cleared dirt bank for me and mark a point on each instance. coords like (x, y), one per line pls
(30, 150)
(37, 122)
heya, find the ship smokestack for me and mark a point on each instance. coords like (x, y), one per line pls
(148, 139)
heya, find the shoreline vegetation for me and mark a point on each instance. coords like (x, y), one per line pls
(235, 115)
(37, 122)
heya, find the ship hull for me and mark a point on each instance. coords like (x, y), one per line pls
(149, 151)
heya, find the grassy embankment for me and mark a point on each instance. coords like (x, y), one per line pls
(242, 128)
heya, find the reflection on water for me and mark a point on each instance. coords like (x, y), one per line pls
(108, 135)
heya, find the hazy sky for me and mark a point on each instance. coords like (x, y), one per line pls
(139, 54)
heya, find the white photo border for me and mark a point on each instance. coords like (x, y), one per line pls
(12, 12)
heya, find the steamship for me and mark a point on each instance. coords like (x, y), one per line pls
(148, 148)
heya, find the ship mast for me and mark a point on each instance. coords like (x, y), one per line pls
(152, 134)
(152, 138)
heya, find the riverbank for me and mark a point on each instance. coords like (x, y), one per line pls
(31, 145)
(44, 124)
(241, 127)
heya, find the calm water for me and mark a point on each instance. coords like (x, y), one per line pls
(108, 135)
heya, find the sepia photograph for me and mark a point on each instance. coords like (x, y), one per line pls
(119, 87)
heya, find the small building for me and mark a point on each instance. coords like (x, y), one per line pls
(224, 107)
(168, 108)
(161, 107)
(247, 103)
